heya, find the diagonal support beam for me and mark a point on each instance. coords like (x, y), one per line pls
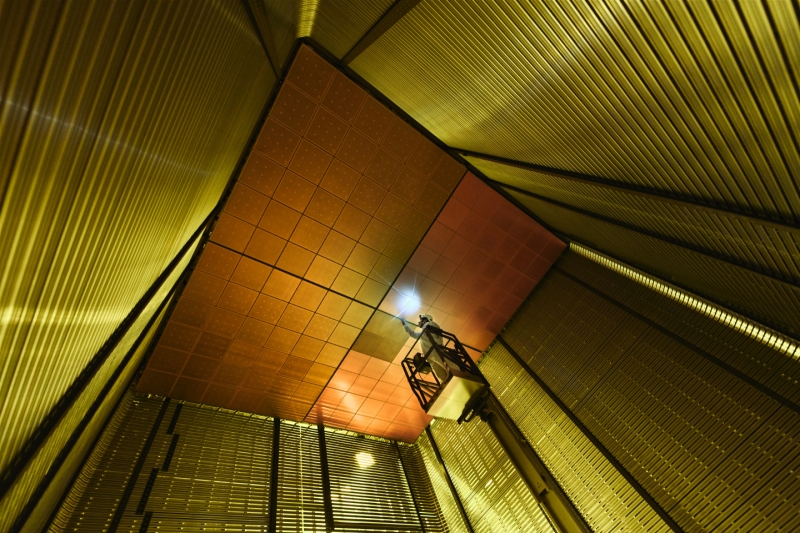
(392, 15)
(259, 16)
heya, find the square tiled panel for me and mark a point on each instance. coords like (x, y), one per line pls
(335, 196)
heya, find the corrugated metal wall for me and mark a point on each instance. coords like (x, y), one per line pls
(638, 370)
(120, 125)
(436, 473)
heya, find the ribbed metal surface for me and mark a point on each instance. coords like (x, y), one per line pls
(340, 24)
(684, 427)
(696, 98)
(603, 497)
(283, 22)
(770, 249)
(301, 505)
(494, 495)
(773, 302)
(436, 474)
(120, 128)
(425, 497)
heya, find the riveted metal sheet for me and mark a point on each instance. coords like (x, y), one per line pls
(121, 128)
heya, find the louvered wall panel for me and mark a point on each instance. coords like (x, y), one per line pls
(493, 494)
(770, 301)
(712, 450)
(695, 98)
(771, 249)
(282, 18)
(425, 497)
(603, 497)
(340, 24)
(301, 504)
(42, 460)
(436, 473)
(120, 128)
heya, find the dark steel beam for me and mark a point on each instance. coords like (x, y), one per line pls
(387, 20)
(273, 478)
(628, 189)
(447, 478)
(326, 478)
(594, 440)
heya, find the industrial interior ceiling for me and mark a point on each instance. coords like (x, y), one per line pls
(663, 134)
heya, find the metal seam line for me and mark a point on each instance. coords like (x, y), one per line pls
(258, 18)
(326, 478)
(786, 402)
(594, 440)
(599, 182)
(392, 15)
(59, 410)
(447, 478)
(410, 489)
(273, 475)
(112, 528)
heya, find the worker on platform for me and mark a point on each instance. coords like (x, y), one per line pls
(428, 353)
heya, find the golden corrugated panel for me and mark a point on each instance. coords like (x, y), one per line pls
(450, 512)
(300, 501)
(283, 18)
(684, 427)
(421, 485)
(768, 300)
(121, 128)
(493, 493)
(23, 490)
(771, 249)
(599, 492)
(694, 98)
(340, 24)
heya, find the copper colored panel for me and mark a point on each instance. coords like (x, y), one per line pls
(344, 335)
(212, 345)
(237, 298)
(246, 203)
(284, 386)
(352, 222)
(322, 271)
(337, 247)
(180, 336)
(200, 367)
(265, 246)
(279, 220)
(368, 196)
(309, 234)
(295, 318)
(188, 389)
(269, 360)
(393, 210)
(295, 368)
(294, 191)
(310, 162)
(293, 109)
(258, 379)
(373, 120)
(320, 327)
(333, 306)
(362, 259)
(449, 173)
(348, 282)
(167, 359)
(409, 184)
(401, 139)
(340, 179)
(308, 347)
(232, 232)
(372, 292)
(383, 168)
(400, 248)
(432, 199)
(225, 323)
(344, 97)
(217, 394)
(310, 73)
(385, 270)
(324, 207)
(268, 309)
(377, 235)
(254, 331)
(306, 394)
(327, 130)
(295, 259)
(425, 157)
(282, 340)
(331, 355)
(308, 296)
(281, 285)
(356, 150)
(218, 261)
(416, 224)
(319, 374)
(251, 274)
(277, 142)
(246, 400)
(261, 173)
(192, 312)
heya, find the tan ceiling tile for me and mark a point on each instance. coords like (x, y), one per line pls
(367, 343)
(344, 97)
(383, 168)
(441, 271)
(279, 220)
(258, 380)
(200, 368)
(284, 386)
(344, 335)
(331, 355)
(246, 400)
(306, 394)
(295, 368)
(372, 292)
(401, 139)
(348, 282)
(377, 235)
(367, 196)
(322, 271)
(310, 73)
(232, 232)
(416, 224)
(392, 210)
(357, 315)
(319, 374)
(333, 306)
(356, 150)
(294, 191)
(340, 179)
(192, 312)
(385, 270)
(337, 247)
(352, 222)
(277, 142)
(454, 213)
(308, 347)
(438, 237)
(324, 207)
(224, 322)
(373, 120)
(362, 259)
(268, 309)
(255, 331)
(251, 274)
(282, 340)
(309, 234)
(409, 184)
(308, 296)
(295, 259)
(293, 109)
(449, 173)
(246, 203)
(327, 130)
(400, 248)
(218, 395)
(310, 162)
(265, 247)
(218, 261)
(295, 318)
(320, 327)
(261, 173)
(167, 359)
(188, 389)
(270, 360)
(230, 374)
(432, 199)
(180, 336)
(237, 298)
(212, 345)
(425, 157)
(428, 290)
(281, 285)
